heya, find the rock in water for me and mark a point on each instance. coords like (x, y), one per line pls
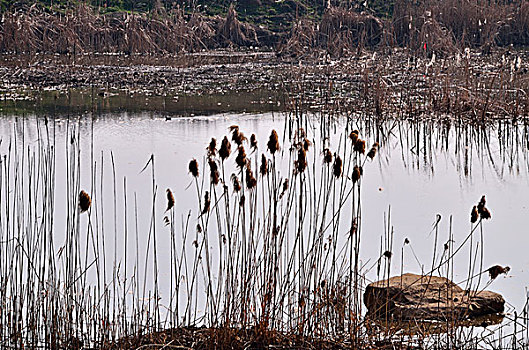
(418, 297)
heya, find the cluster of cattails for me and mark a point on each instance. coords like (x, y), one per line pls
(373, 151)
(214, 171)
(241, 160)
(193, 167)
(251, 182)
(497, 270)
(225, 148)
(337, 166)
(480, 211)
(358, 144)
(237, 136)
(212, 147)
(273, 142)
(170, 200)
(84, 201)
(327, 156)
(263, 169)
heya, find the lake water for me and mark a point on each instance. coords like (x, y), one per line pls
(423, 169)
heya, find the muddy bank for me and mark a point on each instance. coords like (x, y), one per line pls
(396, 83)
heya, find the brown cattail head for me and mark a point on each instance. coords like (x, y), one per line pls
(485, 213)
(285, 188)
(193, 167)
(356, 174)
(241, 157)
(360, 146)
(225, 148)
(84, 201)
(273, 142)
(214, 171)
(253, 142)
(474, 215)
(251, 182)
(264, 165)
(212, 147)
(170, 200)
(373, 151)
(207, 203)
(306, 144)
(353, 136)
(337, 166)
(236, 183)
(238, 137)
(497, 270)
(301, 163)
(481, 204)
(327, 156)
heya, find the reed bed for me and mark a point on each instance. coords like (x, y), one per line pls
(443, 27)
(81, 29)
(271, 254)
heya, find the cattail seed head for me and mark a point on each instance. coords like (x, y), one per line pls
(356, 174)
(327, 156)
(225, 148)
(273, 142)
(207, 203)
(264, 165)
(236, 183)
(212, 147)
(251, 182)
(485, 213)
(214, 171)
(84, 201)
(481, 204)
(238, 137)
(337, 166)
(306, 144)
(301, 162)
(388, 254)
(170, 199)
(474, 215)
(253, 142)
(241, 157)
(193, 167)
(353, 136)
(373, 151)
(497, 270)
(285, 188)
(360, 146)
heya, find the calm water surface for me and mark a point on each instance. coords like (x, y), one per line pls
(413, 180)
